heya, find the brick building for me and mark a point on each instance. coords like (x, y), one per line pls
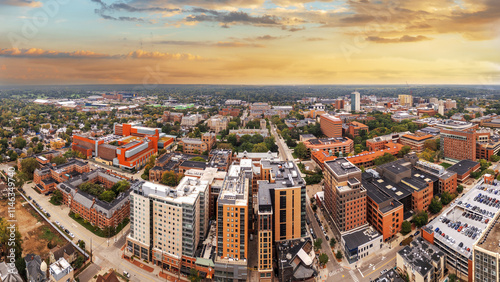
(198, 146)
(345, 197)
(172, 117)
(416, 140)
(354, 128)
(229, 112)
(42, 158)
(342, 145)
(330, 125)
(99, 213)
(47, 177)
(458, 145)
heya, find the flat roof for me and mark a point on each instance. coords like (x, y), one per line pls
(360, 237)
(463, 166)
(456, 214)
(342, 166)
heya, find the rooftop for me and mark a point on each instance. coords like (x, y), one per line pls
(341, 166)
(459, 211)
(187, 192)
(420, 254)
(463, 166)
(360, 237)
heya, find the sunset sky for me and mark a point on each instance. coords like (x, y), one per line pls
(249, 42)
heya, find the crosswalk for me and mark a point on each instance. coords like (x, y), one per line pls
(354, 278)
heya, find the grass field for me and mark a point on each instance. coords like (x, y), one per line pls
(445, 165)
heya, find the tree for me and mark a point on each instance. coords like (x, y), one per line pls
(460, 187)
(233, 139)
(194, 275)
(301, 150)
(317, 244)
(404, 150)
(386, 158)
(260, 147)
(323, 258)
(170, 178)
(495, 158)
(431, 145)
(421, 219)
(56, 198)
(339, 255)
(19, 143)
(332, 242)
(78, 262)
(59, 160)
(81, 244)
(405, 227)
(446, 198)
(435, 206)
(107, 196)
(28, 167)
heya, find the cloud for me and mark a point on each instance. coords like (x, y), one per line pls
(25, 3)
(238, 17)
(236, 44)
(50, 54)
(402, 39)
(315, 39)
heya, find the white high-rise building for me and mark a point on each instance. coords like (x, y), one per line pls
(167, 223)
(355, 101)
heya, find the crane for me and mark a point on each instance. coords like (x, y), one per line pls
(411, 92)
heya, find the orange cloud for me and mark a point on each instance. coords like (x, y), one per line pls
(51, 54)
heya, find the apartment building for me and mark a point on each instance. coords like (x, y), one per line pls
(198, 146)
(232, 227)
(345, 197)
(234, 112)
(288, 193)
(421, 261)
(42, 158)
(458, 145)
(331, 126)
(99, 213)
(265, 235)
(168, 223)
(47, 177)
(355, 101)
(406, 100)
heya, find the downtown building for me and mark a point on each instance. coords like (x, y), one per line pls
(168, 223)
(330, 125)
(345, 197)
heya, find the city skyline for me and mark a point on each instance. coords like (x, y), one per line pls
(249, 42)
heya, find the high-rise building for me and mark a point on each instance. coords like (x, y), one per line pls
(355, 101)
(339, 104)
(458, 145)
(281, 210)
(232, 226)
(345, 197)
(265, 234)
(406, 100)
(288, 194)
(330, 125)
(167, 223)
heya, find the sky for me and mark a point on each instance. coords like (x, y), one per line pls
(249, 42)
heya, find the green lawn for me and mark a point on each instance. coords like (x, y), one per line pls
(445, 165)
(96, 230)
(50, 236)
